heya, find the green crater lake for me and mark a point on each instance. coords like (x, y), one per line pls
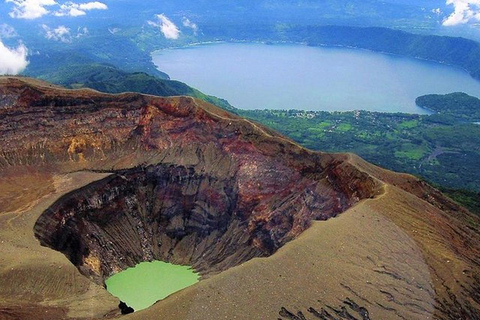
(147, 282)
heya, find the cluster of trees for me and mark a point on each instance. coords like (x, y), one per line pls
(457, 106)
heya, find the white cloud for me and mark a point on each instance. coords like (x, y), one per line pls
(33, 9)
(465, 11)
(81, 32)
(69, 11)
(79, 9)
(63, 34)
(437, 11)
(30, 9)
(94, 5)
(189, 24)
(114, 30)
(168, 28)
(7, 31)
(14, 60)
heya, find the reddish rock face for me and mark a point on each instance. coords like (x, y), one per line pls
(191, 183)
(173, 213)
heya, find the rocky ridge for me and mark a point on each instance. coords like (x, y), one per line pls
(190, 183)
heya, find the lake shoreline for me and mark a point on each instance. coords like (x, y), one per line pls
(350, 78)
(284, 42)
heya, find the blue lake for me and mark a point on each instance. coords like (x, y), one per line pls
(258, 76)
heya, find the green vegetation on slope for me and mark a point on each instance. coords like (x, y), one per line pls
(445, 154)
(441, 148)
(107, 78)
(103, 48)
(469, 199)
(456, 106)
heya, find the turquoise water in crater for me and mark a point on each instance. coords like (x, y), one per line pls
(146, 283)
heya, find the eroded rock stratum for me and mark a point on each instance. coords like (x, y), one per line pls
(175, 214)
(192, 184)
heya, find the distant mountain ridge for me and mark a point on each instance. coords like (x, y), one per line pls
(456, 51)
(130, 52)
(107, 78)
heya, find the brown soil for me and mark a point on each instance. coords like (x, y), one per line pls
(392, 248)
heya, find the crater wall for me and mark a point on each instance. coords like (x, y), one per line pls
(176, 214)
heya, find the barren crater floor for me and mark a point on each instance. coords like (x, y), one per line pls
(92, 184)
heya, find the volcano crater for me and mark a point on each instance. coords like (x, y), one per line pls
(175, 214)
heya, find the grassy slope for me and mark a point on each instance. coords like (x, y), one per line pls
(107, 78)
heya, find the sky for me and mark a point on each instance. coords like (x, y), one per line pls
(14, 59)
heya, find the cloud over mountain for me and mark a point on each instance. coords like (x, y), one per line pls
(167, 27)
(465, 11)
(62, 33)
(7, 31)
(189, 24)
(33, 9)
(14, 60)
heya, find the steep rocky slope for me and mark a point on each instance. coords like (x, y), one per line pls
(108, 181)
